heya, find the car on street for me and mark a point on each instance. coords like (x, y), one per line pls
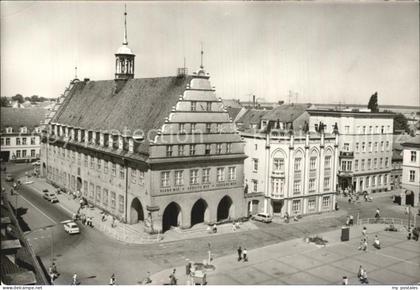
(51, 197)
(9, 177)
(262, 217)
(71, 227)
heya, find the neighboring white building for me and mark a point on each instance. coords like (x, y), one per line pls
(20, 129)
(365, 146)
(411, 171)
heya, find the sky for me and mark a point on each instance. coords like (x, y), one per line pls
(322, 52)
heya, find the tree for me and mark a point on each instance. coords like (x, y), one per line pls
(19, 98)
(401, 123)
(373, 103)
(5, 102)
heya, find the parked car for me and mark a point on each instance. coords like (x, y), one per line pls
(36, 163)
(9, 177)
(263, 217)
(71, 227)
(51, 197)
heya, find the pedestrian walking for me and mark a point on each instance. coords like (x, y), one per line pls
(112, 280)
(113, 222)
(377, 214)
(172, 278)
(233, 227)
(364, 277)
(147, 280)
(245, 254)
(345, 280)
(351, 222)
(376, 243)
(103, 217)
(214, 228)
(407, 210)
(239, 253)
(364, 232)
(83, 218)
(74, 279)
(188, 268)
(360, 272)
(348, 221)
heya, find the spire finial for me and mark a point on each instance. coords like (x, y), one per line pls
(202, 53)
(125, 25)
(75, 72)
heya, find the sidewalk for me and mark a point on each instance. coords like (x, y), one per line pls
(132, 234)
(298, 262)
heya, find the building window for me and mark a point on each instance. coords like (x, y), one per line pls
(367, 182)
(208, 106)
(219, 148)
(232, 173)
(169, 151)
(7, 141)
(382, 146)
(220, 174)
(386, 162)
(194, 176)
(92, 162)
(122, 173)
(364, 130)
(105, 167)
(32, 152)
(85, 160)
(9, 130)
(296, 186)
(179, 178)
(255, 164)
(99, 164)
(325, 201)
(192, 149)
(2, 141)
(311, 184)
(296, 206)
(373, 181)
(141, 177)
(311, 204)
(17, 141)
(92, 191)
(346, 165)
(375, 162)
(346, 147)
(228, 147)
(327, 162)
(181, 128)
(85, 187)
(114, 169)
(255, 185)
(327, 183)
(379, 180)
(24, 141)
(385, 179)
(278, 164)
(181, 149)
(376, 147)
(369, 163)
(193, 125)
(412, 176)
(121, 203)
(113, 201)
(370, 147)
(298, 162)
(32, 140)
(256, 147)
(133, 175)
(17, 153)
(206, 175)
(357, 147)
(23, 153)
(381, 162)
(382, 129)
(346, 129)
(193, 106)
(356, 165)
(277, 185)
(363, 147)
(164, 179)
(312, 163)
(370, 129)
(208, 127)
(98, 194)
(413, 156)
(105, 197)
(207, 149)
(387, 145)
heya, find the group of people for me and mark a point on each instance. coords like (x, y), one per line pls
(362, 275)
(364, 241)
(242, 254)
(350, 220)
(53, 273)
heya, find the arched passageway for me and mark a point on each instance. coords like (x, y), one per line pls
(171, 216)
(136, 212)
(225, 208)
(199, 212)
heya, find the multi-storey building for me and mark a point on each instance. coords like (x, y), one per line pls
(159, 150)
(20, 130)
(294, 171)
(411, 171)
(365, 146)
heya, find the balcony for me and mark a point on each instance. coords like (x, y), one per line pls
(312, 173)
(276, 196)
(278, 173)
(346, 154)
(345, 173)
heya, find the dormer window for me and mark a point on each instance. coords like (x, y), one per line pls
(9, 130)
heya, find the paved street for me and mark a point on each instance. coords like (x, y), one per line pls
(95, 256)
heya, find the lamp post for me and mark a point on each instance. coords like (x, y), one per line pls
(52, 238)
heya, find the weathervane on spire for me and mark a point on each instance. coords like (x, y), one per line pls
(202, 53)
(125, 25)
(75, 72)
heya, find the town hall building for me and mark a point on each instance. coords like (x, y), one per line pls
(162, 150)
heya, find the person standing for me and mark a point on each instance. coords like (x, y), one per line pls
(172, 278)
(351, 220)
(239, 253)
(245, 253)
(345, 280)
(74, 279)
(377, 214)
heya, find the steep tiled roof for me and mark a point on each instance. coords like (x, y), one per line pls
(15, 118)
(141, 104)
(285, 113)
(412, 142)
(252, 116)
(233, 112)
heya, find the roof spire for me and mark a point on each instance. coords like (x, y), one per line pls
(202, 53)
(125, 25)
(75, 72)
